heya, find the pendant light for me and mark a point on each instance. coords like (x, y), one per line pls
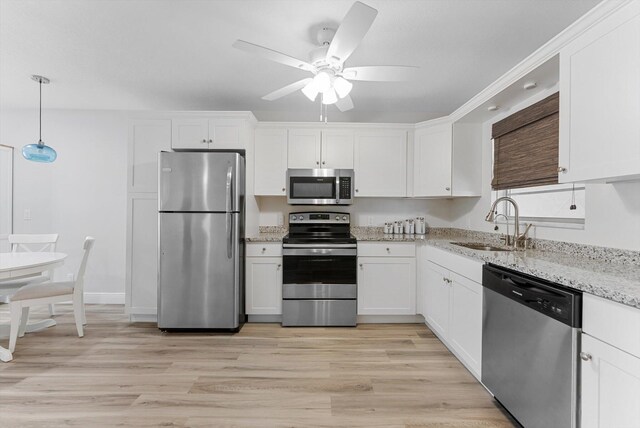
(39, 152)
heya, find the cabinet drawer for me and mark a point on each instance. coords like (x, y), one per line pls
(612, 322)
(266, 249)
(459, 264)
(392, 249)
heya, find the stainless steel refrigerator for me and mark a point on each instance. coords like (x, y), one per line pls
(200, 240)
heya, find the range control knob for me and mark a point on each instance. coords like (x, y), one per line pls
(344, 218)
(293, 217)
(337, 217)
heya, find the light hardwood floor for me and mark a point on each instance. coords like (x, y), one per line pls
(122, 374)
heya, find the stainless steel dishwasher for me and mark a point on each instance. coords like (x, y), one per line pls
(530, 347)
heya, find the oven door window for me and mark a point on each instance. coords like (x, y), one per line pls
(312, 188)
(319, 269)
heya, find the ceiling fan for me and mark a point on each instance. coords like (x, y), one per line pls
(331, 79)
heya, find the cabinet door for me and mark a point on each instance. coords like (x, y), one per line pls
(142, 252)
(465, 328)
(263, 285)
(270, 162)
(438, 298)
(190, 133)
(432, 161)
(304, 148)
(599, 102)
(146, 139)
(337, 149)
(610, 386)
(225, 133)
(380, 163)
(386, 286)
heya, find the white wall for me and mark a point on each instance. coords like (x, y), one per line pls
(364, 211)
(612, 211)
(82, 193)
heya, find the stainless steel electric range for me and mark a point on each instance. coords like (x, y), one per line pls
(319, 271)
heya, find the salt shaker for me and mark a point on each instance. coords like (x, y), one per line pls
(388, 228)
(411, 229)
(398, 228)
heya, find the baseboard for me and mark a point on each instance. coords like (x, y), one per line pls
(390, 319)
(265, 318)
(104, 298)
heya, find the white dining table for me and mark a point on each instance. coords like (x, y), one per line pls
(22, 265)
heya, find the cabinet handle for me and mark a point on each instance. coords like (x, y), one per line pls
(357, 190)
(279, 265)
(585, 356)
(388, 250)
(323, 162)
(283, 189)
(317, 163)
(264, 249)
(447, 188)
(360, 265)
(562, 169)
(210, 141)
(204, 140)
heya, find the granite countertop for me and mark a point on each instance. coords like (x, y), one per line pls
(375, 234)
(617, 280)
(605, 272)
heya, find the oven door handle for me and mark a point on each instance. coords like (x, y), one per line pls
(319, 252)
(324, 246)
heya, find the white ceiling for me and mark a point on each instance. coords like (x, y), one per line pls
(177, 54)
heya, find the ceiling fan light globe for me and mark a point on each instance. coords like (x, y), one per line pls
(342, 87)
(311, 90)
(322, 81)
(329, 96)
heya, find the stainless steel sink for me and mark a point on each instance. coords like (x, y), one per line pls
(481, 246)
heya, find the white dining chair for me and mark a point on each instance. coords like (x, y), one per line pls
(23, 242)
(46, 293)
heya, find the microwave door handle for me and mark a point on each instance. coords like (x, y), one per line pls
(228, 212)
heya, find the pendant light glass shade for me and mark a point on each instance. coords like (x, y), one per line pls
(39, 152)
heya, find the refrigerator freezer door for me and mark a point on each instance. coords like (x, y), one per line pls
(199, 280)
(201, 182)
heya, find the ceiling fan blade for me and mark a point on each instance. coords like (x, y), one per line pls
(273, 55)
(345, 103)
(354, 26)
(287, 89)
(381, 73)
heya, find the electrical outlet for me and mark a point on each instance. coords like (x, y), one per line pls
(27, 214)
(370, 220)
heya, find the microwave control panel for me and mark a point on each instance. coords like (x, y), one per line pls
(345, 188)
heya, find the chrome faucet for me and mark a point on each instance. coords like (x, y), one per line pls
(519, 241)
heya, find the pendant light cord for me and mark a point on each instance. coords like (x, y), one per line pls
(40, 117)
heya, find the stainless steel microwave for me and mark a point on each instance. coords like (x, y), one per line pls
(319, 186)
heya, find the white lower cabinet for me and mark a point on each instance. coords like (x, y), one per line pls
(610, 363)
(610, 386)
(263, 280)
(386, 281)
(453, 304)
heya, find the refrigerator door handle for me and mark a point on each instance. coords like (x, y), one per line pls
(228, 214)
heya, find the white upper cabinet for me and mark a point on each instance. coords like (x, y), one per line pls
(270, 166)
(337, 149)
(304, 148)
(380, 163)
(600, 100)
(207, 133)
(432, 161)
(314, 148)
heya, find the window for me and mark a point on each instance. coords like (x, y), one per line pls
(525, 167)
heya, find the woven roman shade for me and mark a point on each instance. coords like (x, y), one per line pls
(525, 147)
